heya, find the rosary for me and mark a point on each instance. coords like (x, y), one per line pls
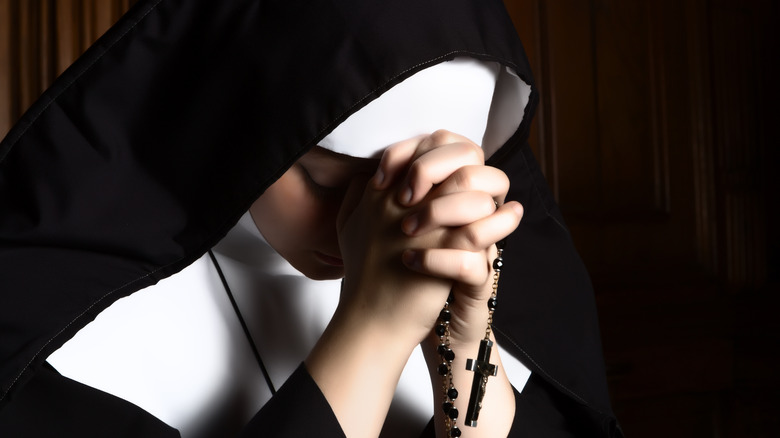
(481, 366)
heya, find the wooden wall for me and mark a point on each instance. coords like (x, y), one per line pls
(39, 39)
(655, 134)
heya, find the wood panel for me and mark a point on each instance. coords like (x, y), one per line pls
(6, 68)
(39, 39)
(739, 147)
(644, 119)
(653, 131)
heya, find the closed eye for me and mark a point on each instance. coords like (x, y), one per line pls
(321, 190)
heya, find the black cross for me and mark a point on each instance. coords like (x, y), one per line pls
(482, 370)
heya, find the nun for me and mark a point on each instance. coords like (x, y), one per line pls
(268, 219)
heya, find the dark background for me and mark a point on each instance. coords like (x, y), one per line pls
(655, 133)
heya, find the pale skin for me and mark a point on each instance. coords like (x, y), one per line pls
(402, 232)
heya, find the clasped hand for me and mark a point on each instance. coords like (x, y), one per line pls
(425, 225)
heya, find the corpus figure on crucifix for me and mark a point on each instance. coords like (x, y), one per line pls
(482, 370)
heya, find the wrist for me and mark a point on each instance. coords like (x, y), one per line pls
(357, 364)
(498, 405)
(401, 303)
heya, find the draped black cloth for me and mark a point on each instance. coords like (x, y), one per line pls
(145, 152)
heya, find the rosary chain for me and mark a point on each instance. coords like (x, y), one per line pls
(447, 355)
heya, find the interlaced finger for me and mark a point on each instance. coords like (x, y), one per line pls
(479, 178)
(394, 161)
(434, 167)
(462, 266)
(485, 232)
(452, 210)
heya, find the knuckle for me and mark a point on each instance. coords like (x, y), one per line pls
(471, 269)
(461, 179)
(433, 212)
(471, 152)
(441, 136)
(470, 238)
(416, 170)
(477, 152)
(392, 152)
(487, 204)
(464, 268)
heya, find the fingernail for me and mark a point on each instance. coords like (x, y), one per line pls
(406, 195)
(518, 208)
(411, 258)
(410, 224)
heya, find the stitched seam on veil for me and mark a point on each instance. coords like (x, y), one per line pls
(79, 316)
(21, 134)
(328, 127)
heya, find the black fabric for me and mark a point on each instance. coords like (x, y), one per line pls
(298, 409)
(146, 151)
(546, 315)
(542, 411)
(54, 406)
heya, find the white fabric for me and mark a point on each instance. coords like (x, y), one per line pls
(458, 95)
(177, 350)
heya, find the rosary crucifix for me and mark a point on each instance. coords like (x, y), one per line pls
(481, 366)
(482, 370)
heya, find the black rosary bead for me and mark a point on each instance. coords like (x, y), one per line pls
(498, 263)
(480, 366)
(446, 353)
(501, 244)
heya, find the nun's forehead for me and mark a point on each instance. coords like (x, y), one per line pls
(454, 95)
